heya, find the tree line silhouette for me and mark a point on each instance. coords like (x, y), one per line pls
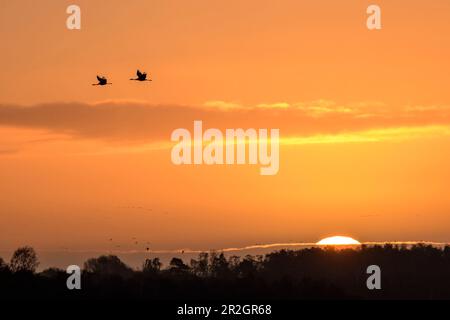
(416, 272)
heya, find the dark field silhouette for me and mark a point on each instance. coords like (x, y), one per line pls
(417, 272)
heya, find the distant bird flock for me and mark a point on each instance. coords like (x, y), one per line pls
(141, 76)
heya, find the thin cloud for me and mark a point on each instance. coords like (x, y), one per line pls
(8, 151)
(141, 123)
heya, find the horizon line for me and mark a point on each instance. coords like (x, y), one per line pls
(244, 248)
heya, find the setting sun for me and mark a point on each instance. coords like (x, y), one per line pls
(338, 240)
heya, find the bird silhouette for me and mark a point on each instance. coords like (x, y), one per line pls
(141, 76)
(101, 81)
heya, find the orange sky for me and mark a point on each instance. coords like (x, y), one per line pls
(364, 118)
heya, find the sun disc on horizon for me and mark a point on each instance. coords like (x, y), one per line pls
(337, 241)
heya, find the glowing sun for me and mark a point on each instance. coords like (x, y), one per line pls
(338, 241)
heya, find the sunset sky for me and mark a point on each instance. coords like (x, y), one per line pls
(364, 119)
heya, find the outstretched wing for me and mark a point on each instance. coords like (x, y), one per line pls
(99, 78)
(139, 74)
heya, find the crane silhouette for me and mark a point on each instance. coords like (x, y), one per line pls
(102, 81)
(141, 76)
